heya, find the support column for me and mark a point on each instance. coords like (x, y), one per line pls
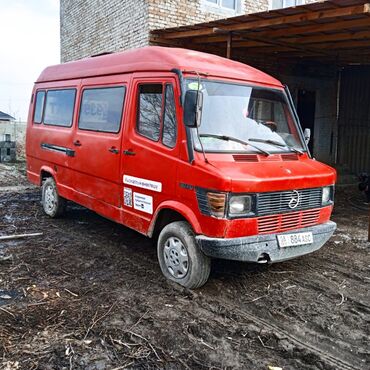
(229, 45)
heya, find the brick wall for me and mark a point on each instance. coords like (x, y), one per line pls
(90, 27)
(169, 13)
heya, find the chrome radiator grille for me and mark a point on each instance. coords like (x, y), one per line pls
(281, 202)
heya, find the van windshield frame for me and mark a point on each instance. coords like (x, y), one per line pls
(247, 109)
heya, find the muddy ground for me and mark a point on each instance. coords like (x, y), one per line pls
(89, 294)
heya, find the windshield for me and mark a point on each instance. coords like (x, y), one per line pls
(241, 118)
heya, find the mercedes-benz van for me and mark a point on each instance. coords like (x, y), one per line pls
(203, 153)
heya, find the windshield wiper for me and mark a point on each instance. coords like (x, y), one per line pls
(276, 143)
(230, 138)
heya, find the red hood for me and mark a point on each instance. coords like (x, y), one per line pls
(273, 174)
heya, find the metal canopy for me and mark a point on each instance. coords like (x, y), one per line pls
(333, 31)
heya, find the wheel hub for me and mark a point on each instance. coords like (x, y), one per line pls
(176, 257)
(50, 199)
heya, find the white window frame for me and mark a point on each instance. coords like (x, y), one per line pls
(219, 5)
(297, 3)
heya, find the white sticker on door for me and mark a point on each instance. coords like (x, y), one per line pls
(143, 203)
(127, 197)
(142, 183)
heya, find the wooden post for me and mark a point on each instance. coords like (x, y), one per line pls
(229, 45)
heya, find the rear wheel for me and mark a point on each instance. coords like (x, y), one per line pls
(180, 257)
(52, 203)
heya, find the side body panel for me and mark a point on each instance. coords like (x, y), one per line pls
(96, 164)
(149, 168)
(51, 147)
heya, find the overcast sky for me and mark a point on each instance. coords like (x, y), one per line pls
(29, 41)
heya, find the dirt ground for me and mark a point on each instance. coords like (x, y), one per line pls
(89, 294)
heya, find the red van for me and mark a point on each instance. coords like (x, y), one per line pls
(204, 153)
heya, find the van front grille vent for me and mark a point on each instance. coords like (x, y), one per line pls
(289, 157)
(270, 158)
(286, 201)
(245, 158)
(288, 221)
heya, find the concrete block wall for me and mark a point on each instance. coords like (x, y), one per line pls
(7, 151)
(17, 132)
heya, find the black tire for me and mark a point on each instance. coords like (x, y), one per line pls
(198, 265)
(52, 203)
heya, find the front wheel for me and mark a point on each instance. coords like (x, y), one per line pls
(180, 257)
(52, 203)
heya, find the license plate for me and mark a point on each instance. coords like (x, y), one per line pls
(292, 240)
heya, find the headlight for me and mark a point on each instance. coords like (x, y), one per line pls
(240, 205)
(326, 194)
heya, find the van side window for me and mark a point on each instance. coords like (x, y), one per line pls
(169, 121)
(59, 107)
(150, 110)
(39, 106)
(101, 109)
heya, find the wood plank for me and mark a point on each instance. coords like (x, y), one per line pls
(229, 45)
(161, 41)
(275, 42)
(338, 36)
(320, 41)
(296, 18)
(343, 44)
(335, 25)
(319, 49)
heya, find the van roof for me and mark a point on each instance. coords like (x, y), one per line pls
(155, 58)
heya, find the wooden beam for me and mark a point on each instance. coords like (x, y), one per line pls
(276, 50)
(323, 48)
(295, 18)
(348, 44)
(275, 42)
(340, 36)
(342, 26)
(229, 45)
(213, 39)
(161, 41)
(335, 25)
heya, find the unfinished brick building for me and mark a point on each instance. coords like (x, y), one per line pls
(91, 27)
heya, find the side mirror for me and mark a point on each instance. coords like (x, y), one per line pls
(307, 135)
(193, 108)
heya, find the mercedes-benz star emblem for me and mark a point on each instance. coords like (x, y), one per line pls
(294, 200)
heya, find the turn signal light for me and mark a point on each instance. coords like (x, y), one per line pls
(216, 203)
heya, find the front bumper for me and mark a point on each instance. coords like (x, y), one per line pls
(264, 248)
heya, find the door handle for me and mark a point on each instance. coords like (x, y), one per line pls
(113, 150)
(128, 152)
(77, 143)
